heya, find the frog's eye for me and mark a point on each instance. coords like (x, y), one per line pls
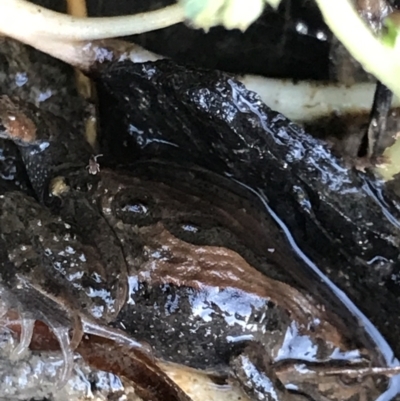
(136, 210)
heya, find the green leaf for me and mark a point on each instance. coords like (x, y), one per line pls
(229, 13)
(392, 31)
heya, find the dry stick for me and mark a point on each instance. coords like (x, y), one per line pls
(378, 119)
(77, 8)
(69, 38)
(84, 85)
(288, 371)
(361, 372)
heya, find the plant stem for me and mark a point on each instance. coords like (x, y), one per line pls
(376, 58)
(27, 22)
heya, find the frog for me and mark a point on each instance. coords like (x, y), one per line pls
(164, 267)
(203, 304)
(36, 238)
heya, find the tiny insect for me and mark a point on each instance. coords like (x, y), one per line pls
(93, 167)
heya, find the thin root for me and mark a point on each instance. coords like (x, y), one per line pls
(40, 23)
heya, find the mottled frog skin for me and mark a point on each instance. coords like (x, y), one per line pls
(184, 266)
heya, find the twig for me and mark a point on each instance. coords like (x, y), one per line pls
(77, 8)
(378, 120)
(361, 372)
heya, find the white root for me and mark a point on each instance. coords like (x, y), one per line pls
(23, 20)
(68, 38)
(84, 55)
(59, 35)
(306, 101)
(65, 37)
(31, 24)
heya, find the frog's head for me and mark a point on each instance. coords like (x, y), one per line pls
(46, 143)
(323, 383)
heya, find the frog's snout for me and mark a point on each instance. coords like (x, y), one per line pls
(14, 123)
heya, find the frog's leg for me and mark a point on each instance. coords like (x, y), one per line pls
(47, 143)
(37, 306)
(101, 330)
(253, 369)
(62, 334)
(27, 325)
(67, 344)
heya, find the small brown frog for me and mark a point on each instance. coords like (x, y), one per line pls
(54, 275)
(183, 267)
(202, 306)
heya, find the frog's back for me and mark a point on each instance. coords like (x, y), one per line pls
(199, 327)
(195, 302)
